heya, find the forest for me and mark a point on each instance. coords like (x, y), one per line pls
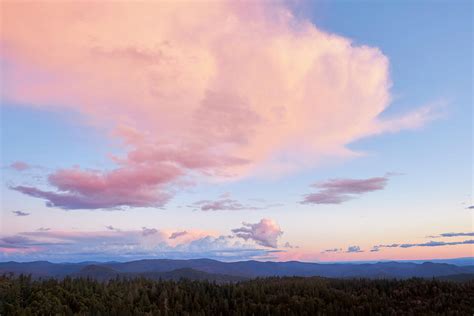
(22, 295)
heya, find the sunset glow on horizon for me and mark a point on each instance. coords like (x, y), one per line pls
(234, 130)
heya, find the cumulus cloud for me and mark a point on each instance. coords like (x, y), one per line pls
(265, 233)
(178, 234)
(20, 213)
(471, 207)
(20, 166)
(337, 191)
(352, 249)
(265, 92)
(120, 245)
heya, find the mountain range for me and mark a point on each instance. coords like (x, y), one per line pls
(213, 270)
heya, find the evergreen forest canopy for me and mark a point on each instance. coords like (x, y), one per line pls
(23, 295)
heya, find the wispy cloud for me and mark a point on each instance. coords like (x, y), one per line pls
(20, 166)
(452, 235)
(337, 191)
(149, 231)
(20, 213)
(178, 234)
(226, 203)
(332, 250)
(350, 249)
(110, 227)
(290, 246)
(378, 247)
(438, 244)
(222, 205)
(26, 243)
(425, 244)
(15, 242)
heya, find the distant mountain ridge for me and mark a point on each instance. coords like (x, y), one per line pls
(103, 273)
(213, 270)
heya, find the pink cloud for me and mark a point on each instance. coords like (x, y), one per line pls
(336, 191)
(265, 92)
(265, 233)
(20, 166)
(136, 185)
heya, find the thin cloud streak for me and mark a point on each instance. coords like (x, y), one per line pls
(332, 250)
(426, 244)
(226, 203)
(452, 235)
(20, 166)
(178, 234)
(20, 213)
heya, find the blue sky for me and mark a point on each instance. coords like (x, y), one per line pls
(428, 45)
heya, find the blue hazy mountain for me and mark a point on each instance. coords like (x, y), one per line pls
(200, 269)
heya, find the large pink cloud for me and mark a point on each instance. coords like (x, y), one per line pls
(217, 89)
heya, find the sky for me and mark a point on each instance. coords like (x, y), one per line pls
(315, 131)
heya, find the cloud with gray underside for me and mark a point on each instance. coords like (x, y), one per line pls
(264, 233)
(337, 191)
(352, 249)
(149, 231)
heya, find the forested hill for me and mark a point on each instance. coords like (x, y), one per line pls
(269, 296)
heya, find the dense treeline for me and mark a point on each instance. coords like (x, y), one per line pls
(270, 296)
